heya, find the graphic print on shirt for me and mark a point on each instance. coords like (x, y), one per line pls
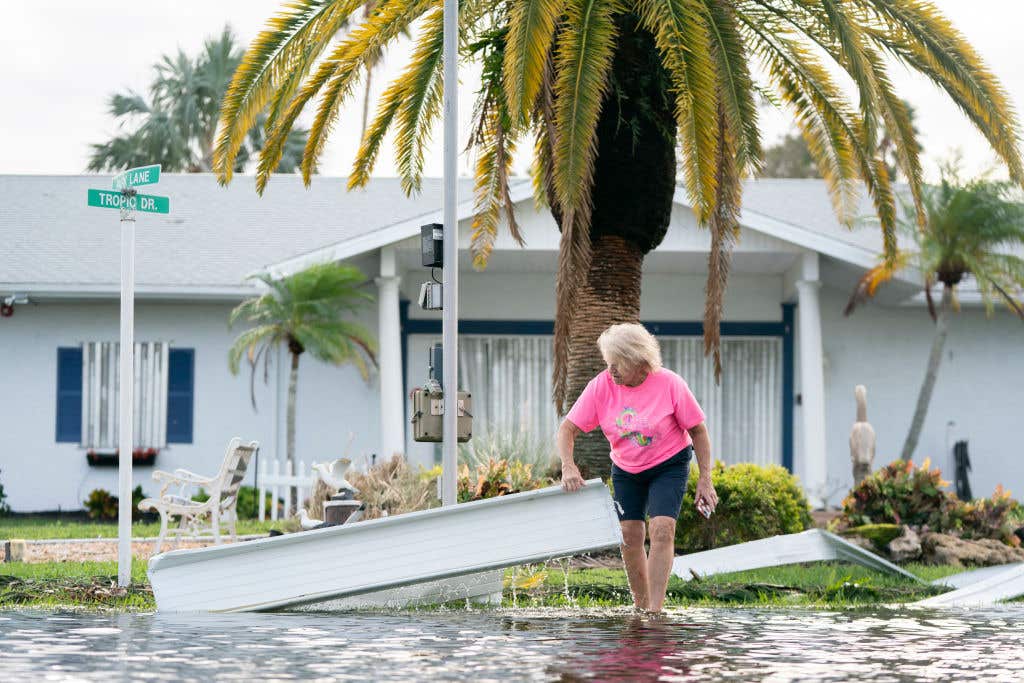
(631, 426)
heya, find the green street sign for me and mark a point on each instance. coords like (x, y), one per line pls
(106, 199)
(143, 175)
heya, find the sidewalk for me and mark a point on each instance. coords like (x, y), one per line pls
(100, 549)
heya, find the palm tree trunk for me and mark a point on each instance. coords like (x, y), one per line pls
(925, 395)
(634, 183)
(611, 295)
(293, 382)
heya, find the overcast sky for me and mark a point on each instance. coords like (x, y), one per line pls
(62, 59)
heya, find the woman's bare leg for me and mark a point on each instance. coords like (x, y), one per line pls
(659, 563)
(633, 555)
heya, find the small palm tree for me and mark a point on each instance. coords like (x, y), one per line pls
(307, 312)
(177, 124)
(971, 231)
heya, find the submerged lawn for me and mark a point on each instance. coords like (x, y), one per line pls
(93, 585)
(37, 528)
(817, 585)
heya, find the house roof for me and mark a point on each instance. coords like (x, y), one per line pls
(214, 237)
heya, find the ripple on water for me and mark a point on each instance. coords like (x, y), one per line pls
(531, 644)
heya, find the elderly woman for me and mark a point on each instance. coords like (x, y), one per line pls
(653, 424)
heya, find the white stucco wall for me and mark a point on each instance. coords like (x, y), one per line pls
(40, 474)
(980, 387)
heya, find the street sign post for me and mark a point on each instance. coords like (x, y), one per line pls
(133, 177)
(127, 201)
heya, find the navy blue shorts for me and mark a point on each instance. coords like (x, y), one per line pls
(653, 492)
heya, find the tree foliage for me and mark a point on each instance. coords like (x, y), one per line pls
(176, 125)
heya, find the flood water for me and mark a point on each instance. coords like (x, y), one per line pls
(523, 644)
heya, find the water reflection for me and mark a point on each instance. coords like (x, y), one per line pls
(568, 645)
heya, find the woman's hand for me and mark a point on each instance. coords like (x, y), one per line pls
(706, 492)
(572, 480)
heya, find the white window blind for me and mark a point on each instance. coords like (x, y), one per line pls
(510, 379)
(100, 398)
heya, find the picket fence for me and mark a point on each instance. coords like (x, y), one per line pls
(279, 481)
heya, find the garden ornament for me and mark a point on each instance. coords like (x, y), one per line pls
(333, 474)
(862, 438)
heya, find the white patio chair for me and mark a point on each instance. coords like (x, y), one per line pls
(202, 519)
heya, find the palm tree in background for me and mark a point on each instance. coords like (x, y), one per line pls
(177, 124)
(307, 311)
(971, 230)
(607, 91)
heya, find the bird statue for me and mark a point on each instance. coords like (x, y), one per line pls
(862, 438)
(333, 473)
(307, 522)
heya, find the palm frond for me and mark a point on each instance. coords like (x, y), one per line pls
(422, 87)
(874, 278)
(493, 165)
(304, 25)
(828, 123)
(724, 225)
(531, 31)
(918, 34)
(736, 86)
(583, 63)
(680, 29)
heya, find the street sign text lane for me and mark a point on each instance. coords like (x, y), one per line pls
(140, 202)
(143, 175)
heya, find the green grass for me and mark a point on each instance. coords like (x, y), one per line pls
(90, 585)
(817, 585)
(34, 528)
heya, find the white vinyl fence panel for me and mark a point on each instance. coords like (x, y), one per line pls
(510, 379)
(100, 385)
(279, 481)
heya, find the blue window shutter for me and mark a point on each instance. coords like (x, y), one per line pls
(69, 394)
(180, 389)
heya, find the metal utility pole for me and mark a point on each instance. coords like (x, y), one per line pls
(450, 275)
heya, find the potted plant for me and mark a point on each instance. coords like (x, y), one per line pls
(141, 457)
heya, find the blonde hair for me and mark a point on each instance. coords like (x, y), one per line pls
(632, 344)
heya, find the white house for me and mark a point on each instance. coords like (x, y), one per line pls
(791, 359)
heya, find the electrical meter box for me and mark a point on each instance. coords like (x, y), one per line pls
(428, 414)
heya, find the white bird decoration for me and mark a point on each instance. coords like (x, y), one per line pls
(862, 438)
(306, 522)
(333, 474)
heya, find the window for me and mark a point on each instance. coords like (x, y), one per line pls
(180, 383)
(69, 394)
(88, 395)
(510, 379)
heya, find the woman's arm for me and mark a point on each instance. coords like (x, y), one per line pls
(702, 447)
(571, 478)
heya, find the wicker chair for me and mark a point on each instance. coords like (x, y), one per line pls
(202, 519)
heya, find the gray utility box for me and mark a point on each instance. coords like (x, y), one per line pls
(428, 414)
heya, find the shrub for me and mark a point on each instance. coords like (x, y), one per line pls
(248, 505)
(990, 518)
(102, 505)
(4, 507)
(754, 502)
(900, 493)
(497, 478)
(498, 444)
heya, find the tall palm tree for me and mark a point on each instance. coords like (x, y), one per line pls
(971, 229)
(307, 311)
(607, 90)
(177, 124)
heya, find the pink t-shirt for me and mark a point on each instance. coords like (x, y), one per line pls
(645, 424)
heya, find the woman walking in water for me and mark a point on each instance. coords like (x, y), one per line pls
(654, 425)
